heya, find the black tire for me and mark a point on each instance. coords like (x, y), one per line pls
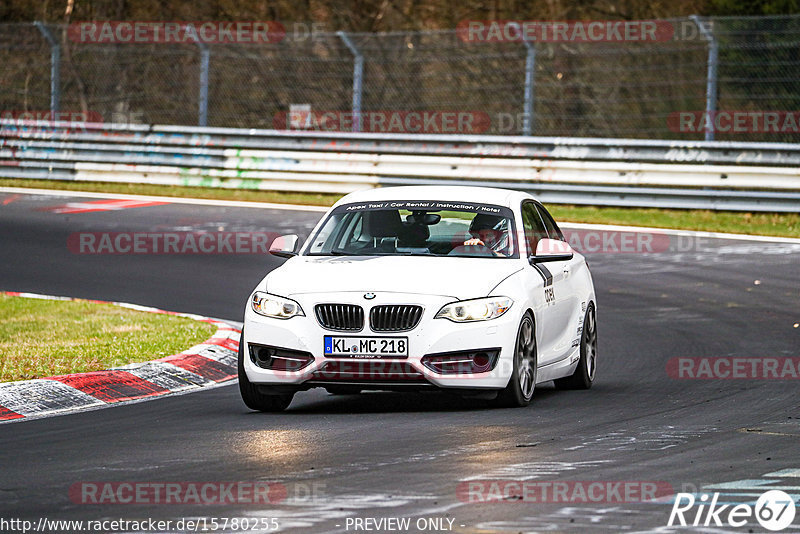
(584, 374)
(252, 397)
(519, 391)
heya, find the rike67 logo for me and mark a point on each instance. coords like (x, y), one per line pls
(774, 510)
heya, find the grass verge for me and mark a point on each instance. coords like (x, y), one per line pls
(40, 338)
(774, 224)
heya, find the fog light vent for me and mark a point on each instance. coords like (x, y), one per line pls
(464, 362)
(279, 359)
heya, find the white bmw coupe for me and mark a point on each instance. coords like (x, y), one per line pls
(466, 289)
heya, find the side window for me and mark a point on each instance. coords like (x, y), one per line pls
(552, 228)
(325, 234)
(532, 224)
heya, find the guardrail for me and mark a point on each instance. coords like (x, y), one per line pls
(611, 172)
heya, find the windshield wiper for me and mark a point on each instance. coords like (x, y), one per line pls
(339, 252)
(418, 254)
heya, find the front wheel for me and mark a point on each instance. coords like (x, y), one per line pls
(583, 377)
(519, 390)
(252, 397)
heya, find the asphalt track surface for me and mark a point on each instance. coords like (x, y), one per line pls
(403, 455)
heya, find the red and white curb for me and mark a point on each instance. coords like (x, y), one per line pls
(210, 363)
(102, 205)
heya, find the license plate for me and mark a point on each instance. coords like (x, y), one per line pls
(366, 347)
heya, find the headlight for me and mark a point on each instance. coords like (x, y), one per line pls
(475, 310)
(275, 306)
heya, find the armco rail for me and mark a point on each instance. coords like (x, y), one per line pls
(615, 172)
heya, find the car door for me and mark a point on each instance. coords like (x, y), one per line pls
(566, 289)
(542, 286)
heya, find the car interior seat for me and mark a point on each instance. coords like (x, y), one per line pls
(384, 228)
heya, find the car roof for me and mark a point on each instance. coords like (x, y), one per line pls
(483, 195)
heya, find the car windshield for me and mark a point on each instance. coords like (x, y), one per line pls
(417, 228)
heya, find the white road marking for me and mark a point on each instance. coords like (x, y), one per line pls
(784, 473)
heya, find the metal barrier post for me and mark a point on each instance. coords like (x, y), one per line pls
(358, 75)
(202, 112)
(711, 78)
(55, 68)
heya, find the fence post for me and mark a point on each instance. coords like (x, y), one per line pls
(55, 68)
(358, 75)
(711, 77)
(202, 111)
(530, 73)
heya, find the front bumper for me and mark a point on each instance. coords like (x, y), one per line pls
(431, 336)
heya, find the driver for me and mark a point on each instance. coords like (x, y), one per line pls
(490, 231)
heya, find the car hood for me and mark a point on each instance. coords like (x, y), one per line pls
(459, 278)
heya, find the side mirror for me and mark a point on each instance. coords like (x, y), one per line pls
(552, 250)
(284, 246)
